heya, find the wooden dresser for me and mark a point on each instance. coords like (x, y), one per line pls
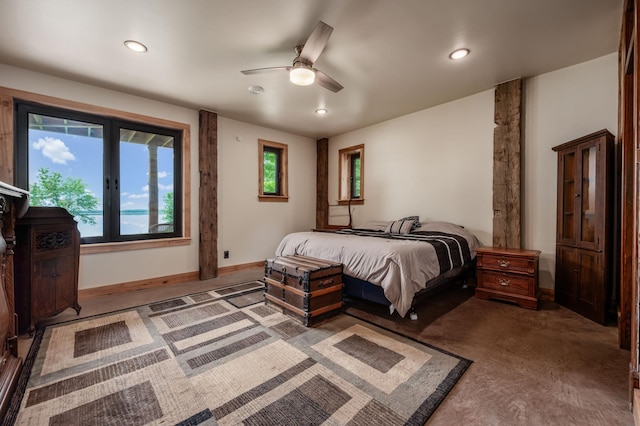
(508, 274)
(47, 261)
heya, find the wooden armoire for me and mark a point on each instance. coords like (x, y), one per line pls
(584, 228)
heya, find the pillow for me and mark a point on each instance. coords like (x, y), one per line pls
(415, 219)
(447, 227)
(399, 227)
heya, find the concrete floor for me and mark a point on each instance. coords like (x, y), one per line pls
(545, 367)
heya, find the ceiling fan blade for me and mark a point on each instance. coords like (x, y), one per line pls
(327, 82)
(316, 42)
(265, 70)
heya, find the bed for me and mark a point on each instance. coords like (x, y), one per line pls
(391, 262)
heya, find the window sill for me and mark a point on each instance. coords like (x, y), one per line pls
(133, 245)
(353, 202)
(274, 198)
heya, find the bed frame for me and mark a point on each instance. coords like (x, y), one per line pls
(355, 287)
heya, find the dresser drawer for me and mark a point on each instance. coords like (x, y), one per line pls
(507, 263)
(509, 283)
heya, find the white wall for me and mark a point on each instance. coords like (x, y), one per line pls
(438, 162)
(248, 229)
(560, 106)
(251, 230)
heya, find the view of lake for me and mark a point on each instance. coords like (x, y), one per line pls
(131, 222)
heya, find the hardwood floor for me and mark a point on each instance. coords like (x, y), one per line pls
(544, 367)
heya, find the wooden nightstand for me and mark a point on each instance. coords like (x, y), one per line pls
(508, 274)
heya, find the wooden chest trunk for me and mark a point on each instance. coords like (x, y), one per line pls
(305, 288)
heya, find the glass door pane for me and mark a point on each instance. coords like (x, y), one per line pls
(588, 195)
(66, 168)
(568, 197)
(146, 183)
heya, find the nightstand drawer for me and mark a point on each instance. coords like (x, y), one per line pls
(509, 283)
(506, 263)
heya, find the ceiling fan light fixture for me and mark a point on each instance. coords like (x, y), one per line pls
(302, 75)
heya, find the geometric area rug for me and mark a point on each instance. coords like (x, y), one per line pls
(223, 357)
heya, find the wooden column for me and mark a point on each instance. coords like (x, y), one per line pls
(629, 135)
(6, 139)
(208, 145)
(322, 183)
(506, 165)
(627, 140)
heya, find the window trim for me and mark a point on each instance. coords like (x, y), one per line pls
(283, 172)
(345, 156)
(9, 96)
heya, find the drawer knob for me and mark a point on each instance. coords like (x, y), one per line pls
(504, 282)
(504, 263)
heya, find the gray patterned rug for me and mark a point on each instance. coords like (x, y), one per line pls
(223, 358)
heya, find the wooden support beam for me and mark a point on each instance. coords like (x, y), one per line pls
(208, 143)
(322, 183)
(6, 139)
(506, 165)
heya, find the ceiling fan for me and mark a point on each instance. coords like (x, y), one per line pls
(302, 72)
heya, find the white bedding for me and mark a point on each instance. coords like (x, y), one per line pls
(400, 267)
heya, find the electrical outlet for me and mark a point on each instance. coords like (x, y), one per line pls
(226, 254)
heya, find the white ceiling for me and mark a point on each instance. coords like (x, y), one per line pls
(390, 56)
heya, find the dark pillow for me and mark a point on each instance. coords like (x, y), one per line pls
(399, 227)
(415, 219)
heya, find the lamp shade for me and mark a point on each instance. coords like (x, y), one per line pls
(302, 75)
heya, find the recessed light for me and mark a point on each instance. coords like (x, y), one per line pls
(459, 54)
(256, 90)
(136, 46)
(321, 111)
